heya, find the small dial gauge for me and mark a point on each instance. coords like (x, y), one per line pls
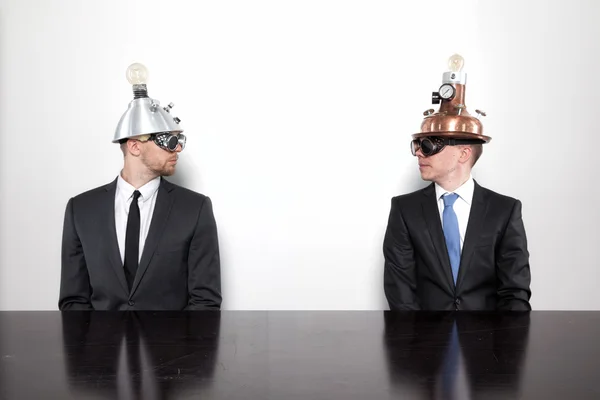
(447, 91)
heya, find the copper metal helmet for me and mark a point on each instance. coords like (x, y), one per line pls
(144, 116)
(452, 120)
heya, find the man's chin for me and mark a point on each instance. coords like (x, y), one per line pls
(426, 177)
(168, 172)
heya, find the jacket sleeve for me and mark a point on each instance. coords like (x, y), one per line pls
(512, 265)
(400, 277)
(204, 269)
(75, 290)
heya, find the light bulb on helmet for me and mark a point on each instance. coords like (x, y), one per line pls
(455, 74)
(456, 63)
(137, 75)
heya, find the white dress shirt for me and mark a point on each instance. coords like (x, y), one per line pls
(146, 203)
(462, 206)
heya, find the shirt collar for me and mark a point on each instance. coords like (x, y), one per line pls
(465, 191)
(146, 191)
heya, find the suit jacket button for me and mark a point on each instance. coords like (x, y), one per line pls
(131, 302)
(457, 302)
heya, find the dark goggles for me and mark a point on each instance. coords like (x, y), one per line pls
(433, 144)
(168, 141)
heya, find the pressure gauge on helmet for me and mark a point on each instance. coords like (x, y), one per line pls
(447, 91)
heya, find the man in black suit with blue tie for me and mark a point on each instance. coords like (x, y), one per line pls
(454, 245)
(141, 242)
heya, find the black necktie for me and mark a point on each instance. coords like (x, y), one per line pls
(132, 240)
(133, 356)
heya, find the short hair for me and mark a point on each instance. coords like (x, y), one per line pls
(141, 138)
(476, 152)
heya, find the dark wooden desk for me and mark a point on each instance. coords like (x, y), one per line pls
(299, 355)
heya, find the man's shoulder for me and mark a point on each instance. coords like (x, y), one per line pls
(497, 198)
(183, 193)
(92, 194)
(416, 196)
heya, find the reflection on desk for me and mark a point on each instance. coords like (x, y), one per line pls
(122, 355)
(299, 355)
(456, 355)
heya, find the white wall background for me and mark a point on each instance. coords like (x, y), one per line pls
(298, 115)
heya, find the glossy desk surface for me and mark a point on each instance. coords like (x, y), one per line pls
(299, 355)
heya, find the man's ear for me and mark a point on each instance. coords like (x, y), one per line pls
(466, 152)
(134, 147)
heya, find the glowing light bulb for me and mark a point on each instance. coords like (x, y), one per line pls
(456, 62)
(137, 74)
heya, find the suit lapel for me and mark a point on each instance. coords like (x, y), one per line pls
(108, 211)
(432, 217)
(474, 227)
(162, 208)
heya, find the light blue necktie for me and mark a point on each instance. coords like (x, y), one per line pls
(451, 367)
(451, 233)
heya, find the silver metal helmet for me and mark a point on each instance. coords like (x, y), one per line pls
(144, 116)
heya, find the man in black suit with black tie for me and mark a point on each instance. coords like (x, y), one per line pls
(141, 242)
(454, 245)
